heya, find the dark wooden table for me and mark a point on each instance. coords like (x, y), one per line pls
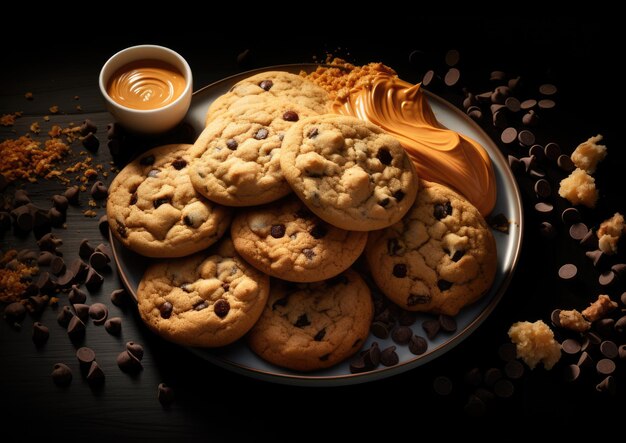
(212, 402)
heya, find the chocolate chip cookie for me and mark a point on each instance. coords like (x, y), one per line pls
(208, 299)
(286, 240)
(349, 172)
(154, 210)
(440, 257)
(237, 157)
(314, 325)
(274, 84)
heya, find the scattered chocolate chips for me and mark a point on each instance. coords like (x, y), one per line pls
(291, 116)
(98, 260)
(135, 349)
(565, 163)
(552, 151)
(543, 188)
(609, 349)
(475, 407)
(607, 385)
(514, 370)
(442, 385)
(605, 366)
(570, 216)
(266, 85)
(526, 138)
(504, 388)
(95, 375)
(507, 352)
(452, 77)
(568, 271)
(99, 313)
(14, 312)
(85, 357)
(492, 375)
(546, 104)
(85, 249)
(473, 377)
(585, 360)
(91, 142)
(99, 191)
(75, 329)
(113, 325)
(399, 270)
(261, 134)
(379, 330)
(547, 230)
(64, 316)
(128, 362)
(277, 231)
(578, 231)
(509, 135)
(418, 345)
(448, 323)
(570, 346)
(544, 207)
(61, 375)
(401, 335)
(571, 373)
(93, 279)
(166, 310)
(389, 357)
(76, 296)
(165, 394)
(431, 327)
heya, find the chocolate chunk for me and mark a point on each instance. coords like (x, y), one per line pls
(320, 335)
(442, 210)
(389, 357)
(526, 138)
(318, 231)
(358, 365)
(41, 333)
(14, 312)
(98, 260)
(161, 201)
(266, 85)
(608, 349)
(475, 407)
(20, 198)
(221, 308)
(232, 144)
(82, 311)
(166, 310)
(399, 270)
(401, 335)
(444, 285)
(302, 321)
(384, 156)
(135, 349)
(570, 216)
(113, 325)
(128, 363)
(504, 388)
(605, 366)
(570, 346)
(606, 278)
(452, 77)
(585, 360)
(99, 313)
(76, 296)
(492, 375)
(513, 104)
(571, 373)
(278, 231)
(514, 370)
(507, 352)
(261, 134)
(620, 324)
(621, 351)
(418, 345)
(95, 375)
(165, 394)
(79, 268)
(565, 163)
(398, 195)
(568, 271)
(508, 135)
(93, 279)
(442, 385)
(448, 323)
(543, 188)
(88, 127)
(380, 330)
(546, 104)
(180, 163)
(86, 356)
(547, 230)
(91, 142)
(473, 377)
(291, 116)
(148, 160)
(578, 231)
(45, 258)
(416, 299)
(99, 191)
(85, 249)
(607, 385)
(57, 266)
(431, 327)
(76, 329)
(552, 151)
(64, 316)
(61, 375)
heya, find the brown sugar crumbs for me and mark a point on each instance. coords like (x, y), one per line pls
(26, 158)
(13, 275)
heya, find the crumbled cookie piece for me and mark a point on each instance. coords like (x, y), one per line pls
(53, 109)
(599, 308)
(579, 188)
(574, 321)
(29, 96)
(610, 232)
(8, 119)
(34, 128)
(535, 343)
(588, 154)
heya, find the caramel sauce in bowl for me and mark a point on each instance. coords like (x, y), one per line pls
(147, 88)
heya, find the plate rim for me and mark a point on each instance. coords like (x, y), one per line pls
(305, 379)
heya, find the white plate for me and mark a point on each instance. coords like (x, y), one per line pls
(239, 358)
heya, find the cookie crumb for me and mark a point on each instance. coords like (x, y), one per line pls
(34, 128)
(29, 96)
(574, 321)
(588, 154)
(535, 343)
(599, 308)
(579, 188)
(8, 119)
(53, 109)
(610, 232)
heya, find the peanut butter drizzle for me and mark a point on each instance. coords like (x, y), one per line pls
(146, 84)
(439, 154)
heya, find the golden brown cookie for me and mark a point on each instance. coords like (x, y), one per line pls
(208, 299)
(440, 257)
(286, 240)
(349, 172)
(273, 84)
(314, 325)
(154, 210)
(237, 157)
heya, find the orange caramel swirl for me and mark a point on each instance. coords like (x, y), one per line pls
(439, 154)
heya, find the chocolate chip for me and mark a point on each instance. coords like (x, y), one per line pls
(87, 127)
(448, 323)
(389, 357)
(528, 104)
(302, 321)
(401, 335)
(266, 85)
(608, 349)
(431, 327)
(113, 325)
(416, 299)
(45, 282)
(147, 160)
(398, 195)
(590, 240)
(79, 268)
(231, 144)
(570, 216)
(291, 116)
(585, 360)
(277, 231)
(384, 156)
(135, 349)
(313, 132)
(607, 385)
(428, 78)
(358, 365)
(515, 164)
(95, 375)
(492, 375)
(504, 388)
(64, 316)
(473, 377)
(568, 271)
(165, 394)
(280, 302)
(166, 310)
(221, 308)
(546, 104)
(319, 231)
(179, 163)
(444, 285)
(61, 375)
(475, 407)
(394, 247)
(128, 362)
(552, 151)
(85, 357)
(161, 201)
(418, 345)
(60, 202)
(406, 318)
(23, 218)
(571, 373)
(20, 198)
(308, 253)
(605, 366)
(565, 163)
(98, 260)
(514, 370)
(570, 346)
(508, 135)
(526, 138)
(380, 330)
(620, 324)
(442, 385)
(597, 257)
(619, 269)
(41, 333)
(99, 313)
(621, 351)
(578, 231)
(604, 325)
(261, 134)
(320, 335)
(57, 266)
(93, 279)
(543, 188)
(99, 191)
(399, 270)
(75, 329)
(76, 296)
(91, 142)
(536, 151)
(513, 104)
(507, 352)
(606, 278)
(442, 210)
(14, 312)
(85, 249)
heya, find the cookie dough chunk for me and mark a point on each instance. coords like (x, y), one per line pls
(349, 172)
(535, 343)
(288, 241)
(275, 84)
(588, 154)
(439, 258)
(579, 188)
(237, 157)
(208, 299)
(314, 325)
(610, 232)
(154, 210)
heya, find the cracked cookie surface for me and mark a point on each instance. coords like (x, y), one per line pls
(439, 258)
(236, 159)
(349, 172)
(275, 84)
(155, 211)
(208, 299)
(286, 240)
(312, 326)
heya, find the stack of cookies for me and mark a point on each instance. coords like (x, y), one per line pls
(303, 194)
